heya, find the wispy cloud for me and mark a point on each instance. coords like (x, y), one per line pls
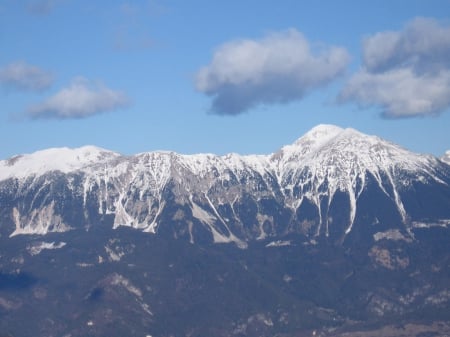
(42, 7)
(405, 73)
(278, 68)
(23, 76)
(80, 99)
(132, 30)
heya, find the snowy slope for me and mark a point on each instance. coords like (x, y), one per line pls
(331, 146)
(54, 159)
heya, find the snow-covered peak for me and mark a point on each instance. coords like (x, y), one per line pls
(317, 137)
(369, 152)
(446, 157)
(319, 134)
(328, 148)
(313, 140)
(54, 159)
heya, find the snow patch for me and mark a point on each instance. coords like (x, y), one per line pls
(209, 220)
(392, 234)
(440, 223)
(279, 243)
(119, 280)
(201, 214)
(262, 218)
(37, 248)
(39, 221)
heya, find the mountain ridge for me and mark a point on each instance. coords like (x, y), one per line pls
(56, 158)
(313, 186)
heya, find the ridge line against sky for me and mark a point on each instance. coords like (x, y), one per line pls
(224, 77)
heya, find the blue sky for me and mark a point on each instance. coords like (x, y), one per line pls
(241, 76)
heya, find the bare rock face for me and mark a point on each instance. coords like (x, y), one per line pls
(384, 258)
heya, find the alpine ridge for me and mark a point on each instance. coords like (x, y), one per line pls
(337, 234)
(330, 183)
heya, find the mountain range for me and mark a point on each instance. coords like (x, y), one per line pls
(337, 233)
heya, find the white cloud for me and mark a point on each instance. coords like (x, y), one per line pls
(79, 100)
(279, 68)
(405, 73)
(400, 92)
(23, 76)
(423, 44)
